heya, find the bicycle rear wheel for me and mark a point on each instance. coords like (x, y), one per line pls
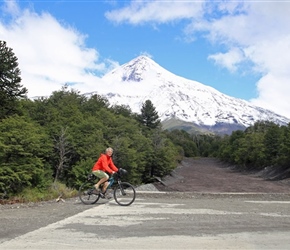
(124, 194)
(86, 194)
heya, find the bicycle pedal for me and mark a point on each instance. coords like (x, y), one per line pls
(90, 192)
(109, 197)
(94, 191)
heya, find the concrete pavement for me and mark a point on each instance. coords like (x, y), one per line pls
(158, 221)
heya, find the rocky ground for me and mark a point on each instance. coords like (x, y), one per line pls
(211, 176)
(203, 176)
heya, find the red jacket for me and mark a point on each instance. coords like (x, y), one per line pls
(105, 163)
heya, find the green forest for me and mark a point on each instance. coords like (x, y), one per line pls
(49, 145)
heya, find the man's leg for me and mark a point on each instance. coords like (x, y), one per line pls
(102, 176)
(101, 181)
(105, 186)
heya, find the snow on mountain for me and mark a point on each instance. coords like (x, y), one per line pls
(173, 96)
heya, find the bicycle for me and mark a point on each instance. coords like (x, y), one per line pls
(124, 193)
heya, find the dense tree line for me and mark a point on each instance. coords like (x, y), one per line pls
(265, 145)
(58, 138)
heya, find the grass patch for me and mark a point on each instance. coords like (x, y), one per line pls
(53, 191)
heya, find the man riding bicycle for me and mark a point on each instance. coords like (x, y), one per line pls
(102, 167)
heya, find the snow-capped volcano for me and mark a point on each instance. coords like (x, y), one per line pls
(176, 97)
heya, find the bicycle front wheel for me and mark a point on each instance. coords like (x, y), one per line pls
(87, 195)
(124, 194)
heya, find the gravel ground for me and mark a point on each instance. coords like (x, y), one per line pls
(209, 175)
(196, 178)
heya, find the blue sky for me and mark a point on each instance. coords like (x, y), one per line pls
(240, 48)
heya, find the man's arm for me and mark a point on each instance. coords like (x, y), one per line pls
(112, 166)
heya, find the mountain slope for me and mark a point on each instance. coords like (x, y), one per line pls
(181, 99)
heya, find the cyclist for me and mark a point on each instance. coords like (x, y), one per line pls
(102, 167)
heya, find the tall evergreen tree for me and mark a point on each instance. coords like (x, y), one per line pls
(149, 116)
(10, 87)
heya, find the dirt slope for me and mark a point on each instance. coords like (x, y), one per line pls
(209, 175)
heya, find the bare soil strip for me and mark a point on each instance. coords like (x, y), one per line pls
(210, 175)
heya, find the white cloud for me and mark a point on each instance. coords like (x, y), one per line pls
(274, 93)
(11, 7)
(139, 12)
(50, 53)
(255, 33)
(229, 60)
(145, 53)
